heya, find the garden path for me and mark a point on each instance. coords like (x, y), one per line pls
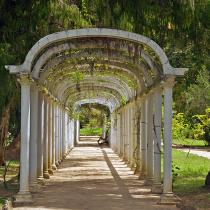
(200, 152)
(94, 178)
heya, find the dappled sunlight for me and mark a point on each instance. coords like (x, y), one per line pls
(94, 178)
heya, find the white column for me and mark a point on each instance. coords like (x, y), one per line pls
(143, 140)
(24, 194)
(134, 136)
(150, 143)
(50, 171)
(157, 186)
(126, 143)
(63, 134)
(56, 135)
(167, 180)
(40, 136)
(131, 137)
(59, 135)
(72, 133)
(118, 133)
(122, 133)
(45, 151)
(77, 131)
(33, 138)
(112, 132)
(104, 127)
(53, 134)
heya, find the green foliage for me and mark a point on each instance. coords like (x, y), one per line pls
(175, 172)
(92, 115)
(201, 128)
(90, 131)
(77, 76)
(198, 94)
(180, 128)
(189, 142)
(197, 128)
(123, 100)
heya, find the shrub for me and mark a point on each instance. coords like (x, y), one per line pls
(201, 126)
(181, 129)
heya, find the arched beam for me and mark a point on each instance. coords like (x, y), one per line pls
(51, 39)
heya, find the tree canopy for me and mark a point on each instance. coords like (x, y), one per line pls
(180, 27)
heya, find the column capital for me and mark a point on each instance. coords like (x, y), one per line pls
(168, 82)
(25, 79)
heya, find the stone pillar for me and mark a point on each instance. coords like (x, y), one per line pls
(131, 122)
(157, 186)
(53, 134)
(143, 140)
(72, 133)
(59, 135)
(40, 136)
(125, 133)
(150, 143)
(122, 131)
(118, 132)
(167, 196)
(77, 131)
(64, 136)
(24, 194)
(56, 135)
(50, 171)
(104, 127)
(112, 140)
(45, 151)
(33, 138)
(133, 137)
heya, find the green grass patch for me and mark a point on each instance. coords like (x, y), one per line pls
(192, 172)
(189, 142)
(12, 169)
(87, 131)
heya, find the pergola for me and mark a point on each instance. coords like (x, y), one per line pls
(127, 72)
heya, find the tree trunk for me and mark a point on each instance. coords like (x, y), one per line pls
(4, 124)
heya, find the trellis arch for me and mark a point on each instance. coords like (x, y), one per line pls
(127, 72)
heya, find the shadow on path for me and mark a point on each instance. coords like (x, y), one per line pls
(93, 178)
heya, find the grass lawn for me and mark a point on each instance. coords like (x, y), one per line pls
(90, 131)
(12, 169)
(192, 173)
(189, 142)
(11, 178)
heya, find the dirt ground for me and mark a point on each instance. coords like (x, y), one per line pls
(93, 178)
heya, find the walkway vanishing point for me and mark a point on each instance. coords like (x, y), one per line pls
(94, 178)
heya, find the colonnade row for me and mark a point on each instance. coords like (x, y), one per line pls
(47, 134)
(136, 132)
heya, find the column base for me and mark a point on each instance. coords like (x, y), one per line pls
(57, 164)
(54, 168)
(40, 180)
(23, 197)
(50, 171)
(169, 198)
(142, 175)
(59, 161)
(34, 187)
(149, 181)
(46, 175)
(157, 188)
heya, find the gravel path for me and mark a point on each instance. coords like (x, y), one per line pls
(199, 152)
(93, 178)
